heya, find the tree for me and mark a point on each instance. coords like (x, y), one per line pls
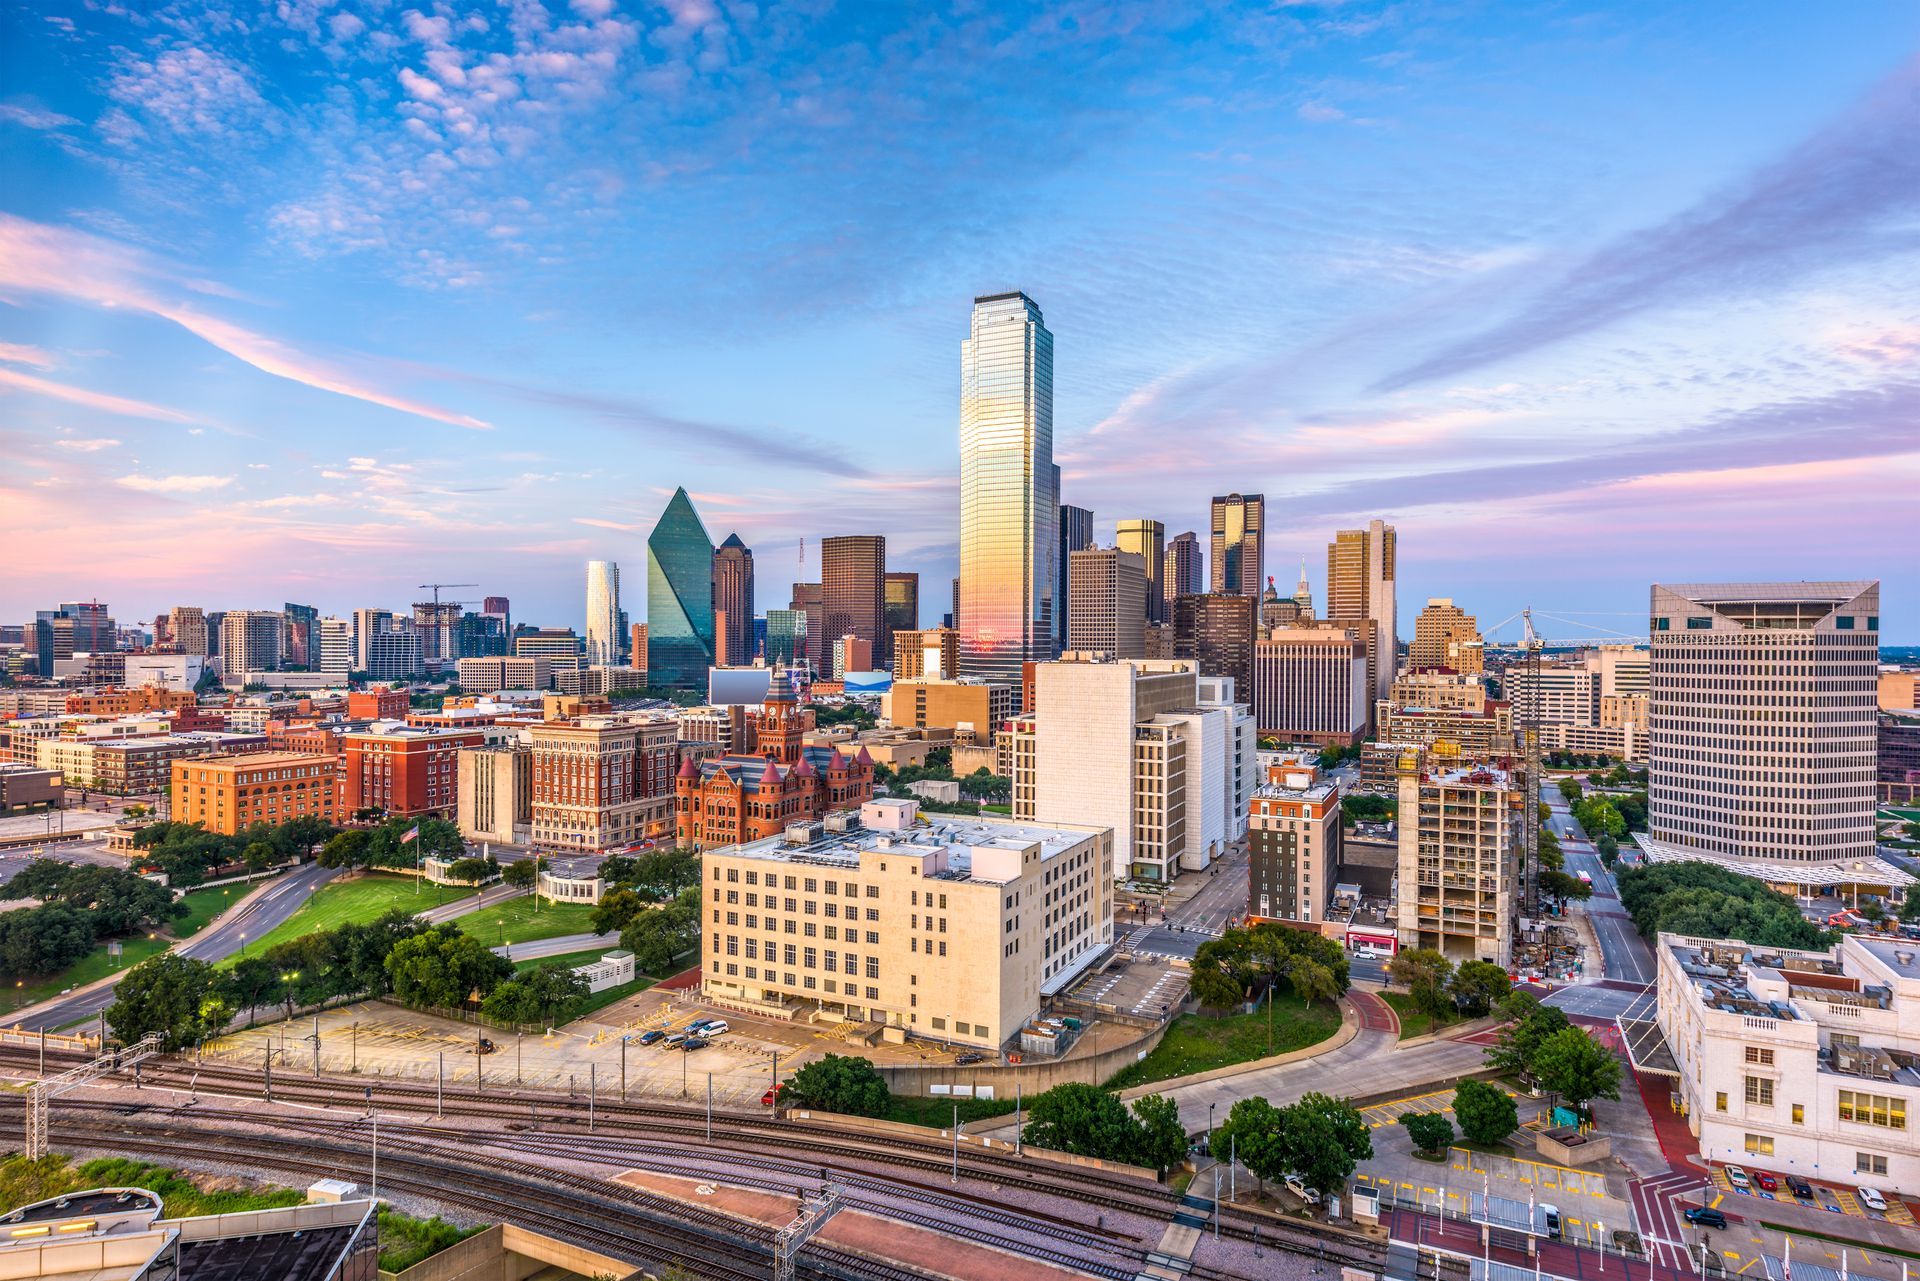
(1570, 789)
(1486, 1113)
(260, 856)
(659, 937)
(305, 832)
(1424, 973)
(1478, 986)
(170, 994)
(442, 966)
(1323, 1138)
(520, 875)
(556, 990)
(1910, 908)
(348, 849)
(1516, 1051)
(1430, 1131)
(43, 940)
(1608, 849)
(1252, 1134)
(840, 1083)
(616, 910)
(1163, 1140)
(472, 871)
(1708, 901)
(1561, 887)
(1311, 980)
(1085, 1120)
(1576, 1067)
(512, 1002)
(1214, 988)
(985, 785)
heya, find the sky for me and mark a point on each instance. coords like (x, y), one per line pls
(313, 301)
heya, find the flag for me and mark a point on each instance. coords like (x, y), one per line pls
(413, 834)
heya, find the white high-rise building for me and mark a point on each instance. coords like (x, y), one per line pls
(1761, 730)
(337, 649)
(368, 623)
(252, 640)
(603, 613)
(1009, 494)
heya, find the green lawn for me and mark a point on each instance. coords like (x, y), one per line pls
(96, 965)
(519, 920)
(1199, 1043)
(598, 1000)
(938, 1113)
(203, 905)
(364, 898)
(1414, 1022)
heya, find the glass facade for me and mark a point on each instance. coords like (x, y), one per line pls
(603, 613)
(786, 637)
(679, 598)
(1239, 543)
(1009, 492)
(1147, 539)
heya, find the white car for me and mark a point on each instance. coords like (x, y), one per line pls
(1367, 954)
(1738, 1178)
(1310, 1195)
(1871, 1198)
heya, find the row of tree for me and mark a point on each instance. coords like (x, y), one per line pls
(1318, 1140)
(80, 904)
(1542, 1048)
(186, 852)
(1486, 1113)
(390, 845)
(1436, 985)
(1709, 901)
(1089, 1121)
(1244, 962)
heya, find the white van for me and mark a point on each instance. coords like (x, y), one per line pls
(716, 1028)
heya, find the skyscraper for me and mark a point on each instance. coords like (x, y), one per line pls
(1444, 635)
(1361, 576)
(1147, 539)
(853, 591)
(679, 597)
(733, 603)
(187, 626)
(1761, 730)
(1009, 548)
(1216, 630)
(812, 636)
(1185, 574)
(303, 649)
(903, 604)
(501, 608)
(1076, 534)
(1107, 612)
(252, 640)
(603, 613)
(368, 623)
(336, 648)
(1239, 543)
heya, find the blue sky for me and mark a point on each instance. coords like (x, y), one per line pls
(317, 301)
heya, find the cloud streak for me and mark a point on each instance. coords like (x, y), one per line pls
(91, 399)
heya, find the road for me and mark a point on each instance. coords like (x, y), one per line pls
(462, 906)
(274, 903)
(538, 948)
(1624, 954)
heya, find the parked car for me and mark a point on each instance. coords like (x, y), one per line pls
(1871, 1198)
(713, 1028)
(674, 1038)
(1368, 953)
(1801, 1189)
(1551, 1213)
(486, 1046)
(773, 1092)
(648, 1038)
(698, 1026)
(1705, 1216)
(1738, 1178)
(693, 1043)
(970, 1056)
(1766, 1181)
(1299, 1188)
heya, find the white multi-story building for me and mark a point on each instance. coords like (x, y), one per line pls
(253, 640)
(943, 927)
(1761, 734)
(337, 648)
(1798, 1062)
(168, 671)
(603, 613)
(1562, 694)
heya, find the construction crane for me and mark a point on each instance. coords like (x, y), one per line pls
(436, 591)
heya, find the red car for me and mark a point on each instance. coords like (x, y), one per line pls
(766, 1100)
(1767, 1182)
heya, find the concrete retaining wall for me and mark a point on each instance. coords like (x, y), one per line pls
(1032, 1076)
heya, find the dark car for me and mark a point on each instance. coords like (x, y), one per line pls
(486, 1046)
(969, 1057)
(648, 1038)
(693, 1043)
(1801, 1189)
(1705, 1216)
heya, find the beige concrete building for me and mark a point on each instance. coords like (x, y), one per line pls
(506, 671)
(1310, 683)
(1484, 733)
(495, 798)
(603, 779)
(1623, 742)
(187, 629)
(1444, 635)
(1562, 693)
(1107, 602)
(973, 706)
(932, 652)
(1899, 691)
(1362, 573)
(1624, 711)
(947, 928)
(1800, 1062)
(1459, 859)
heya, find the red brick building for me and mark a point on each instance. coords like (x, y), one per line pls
(406, 771)
(380, 704)
(729, 799)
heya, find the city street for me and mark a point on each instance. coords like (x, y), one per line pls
(1624, 954)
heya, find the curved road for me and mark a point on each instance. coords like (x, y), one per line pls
(272, 904)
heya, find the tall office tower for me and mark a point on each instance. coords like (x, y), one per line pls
(1107, 611)
(368, 623)
(1147, 539)
(932, 654)
(94, 631)
(903, 604)
(1076, 532)
(485, 635)
(1310, 684)
(252, 640)
(1185, 570)
(1761, 734)
(1216, 629)
(1444, 635)
(1360, 584)
(603, 613)
(335, 646)
(807, 602)
(187, 629)
(853, 591)
(733, 604)
(953, 605)
(679, 597)
(501, 608)
(302, 649)
(786, 637)
(438, 623)
(1009, 506)
(1239, 544)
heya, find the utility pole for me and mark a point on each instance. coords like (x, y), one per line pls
(439, 1084)
(593, 1093)
(710, 1108)
(956, 1144)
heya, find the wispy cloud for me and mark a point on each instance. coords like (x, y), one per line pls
(28, 117)
(87, 445)
(16, 353)
(173, 484)
(90, 399)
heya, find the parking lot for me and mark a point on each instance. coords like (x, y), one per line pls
(1147, 986)
(1832, 1197)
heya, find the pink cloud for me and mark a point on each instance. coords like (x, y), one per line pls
(16, 353)
(90, 399)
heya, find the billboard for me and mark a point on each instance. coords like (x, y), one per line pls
(867, 682)
(729, 685)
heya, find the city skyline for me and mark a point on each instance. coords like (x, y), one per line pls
(1670, 347)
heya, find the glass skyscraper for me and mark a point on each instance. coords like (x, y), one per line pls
(603, 613)
(679, 598)
(1009, 490)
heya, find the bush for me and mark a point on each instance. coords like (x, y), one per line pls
(1430, 1131)
(1487, 1113)
(840, 1083)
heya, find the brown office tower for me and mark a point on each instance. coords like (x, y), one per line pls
(1239, 543)
(1215, 629)
(1361, 569)
(1444, 635)
(903, 606)
(1107, 602)
(1147, 539)
(732, 604)
(809, 599)
(1184, 573)
(853, 591)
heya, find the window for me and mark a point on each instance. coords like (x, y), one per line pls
(1720, 1101)
(1799, 1114)
(1759, 1145)
(1757, 1054)
(1873, 1109)
(1760, 1091)
(1869, 1163)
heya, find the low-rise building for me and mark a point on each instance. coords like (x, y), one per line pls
(381, 703)
(951, 928)
(495, 798)
(134, 766)
(1459, 858)
(565, 883)
(1484, 733)
(28, 787)
(970, 704)
(1801, 1062)
(228, 793)
(729, 799)
(504, 671)
(1293, 845)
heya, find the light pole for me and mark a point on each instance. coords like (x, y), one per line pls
(1210, 1129)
